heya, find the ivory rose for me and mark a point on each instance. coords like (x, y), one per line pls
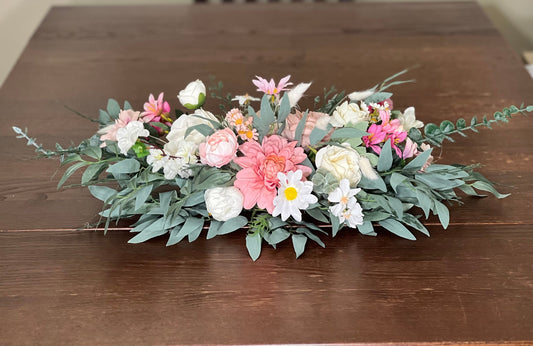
(193, 96)
(180, 126)
(349, 113)
(224, 203)
(342, 162)
(219, 148)
(314, 119)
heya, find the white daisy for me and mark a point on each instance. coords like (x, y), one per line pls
(293, 195)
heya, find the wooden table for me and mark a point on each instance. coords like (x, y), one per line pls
(470, 283)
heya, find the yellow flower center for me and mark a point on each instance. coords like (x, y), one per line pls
(249, 134)
(344, 200)
(238, 122)
(291, 193)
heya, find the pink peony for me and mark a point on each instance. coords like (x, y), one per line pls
(219, 148)
(154, 109)
(314, 119)
(109, 133)
(258, 180)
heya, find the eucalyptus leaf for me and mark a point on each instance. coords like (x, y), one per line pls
(124, 167)
(284, 108)
(142, 195)
(213, 229)
(366, 228)
(232, 225)
(113, 108)
(385, 157)
(298, 243)
(418, 162)
(277, 236)
(146, 235)
(397, 228)
(484, 186)
(443, 213)
(102, 193)
(348, 132)
(300, 128)
(253, 245)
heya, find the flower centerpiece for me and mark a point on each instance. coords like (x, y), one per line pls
(264, 167)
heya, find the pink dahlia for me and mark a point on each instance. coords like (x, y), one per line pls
(314, 119)
(270, 87)
(155, 109)
(258, 179)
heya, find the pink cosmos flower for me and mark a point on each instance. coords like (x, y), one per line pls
(258, 180)
(375, 137)
(270, 87)
(154, 109)
(234, 117)
(109, 133)
(219, 148)
(314, 119)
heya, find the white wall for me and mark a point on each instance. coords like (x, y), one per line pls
(20, 18)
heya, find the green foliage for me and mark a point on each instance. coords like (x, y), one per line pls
(436, 134)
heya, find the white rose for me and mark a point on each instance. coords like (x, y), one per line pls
(342, 162)
(408, 119)
(224, 203)
(127, 136)
(348, 113)
(180, 126)
(193, 96)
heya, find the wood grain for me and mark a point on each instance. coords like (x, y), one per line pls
(87, 288)
(471, 283)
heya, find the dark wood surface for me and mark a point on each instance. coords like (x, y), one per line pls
(470, 283)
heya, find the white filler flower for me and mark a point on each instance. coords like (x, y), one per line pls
(127, 136)
(347, 209)
(293, 195)
(224, 203)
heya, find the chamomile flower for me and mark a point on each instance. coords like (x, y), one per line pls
(293, 195)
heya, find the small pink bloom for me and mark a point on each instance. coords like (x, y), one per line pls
(270, 87)
(375, 137)
(109, 133)
(410, 149)
(154, 109)
(219, 148)
(258, 178)
(314, 119)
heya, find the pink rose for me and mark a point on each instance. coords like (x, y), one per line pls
(219, 148)
(314, 119)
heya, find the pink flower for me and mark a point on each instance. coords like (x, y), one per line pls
(154, 109)
(375, 137)
(109, 133)
(258, 180)
(234, 117)
(410, 149)
(314, 119)
(270, 88)
(219, 148)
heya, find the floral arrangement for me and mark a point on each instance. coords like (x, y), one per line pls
(271, 171)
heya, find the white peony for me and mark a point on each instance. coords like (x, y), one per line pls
(224, 203)
(408, 119)
(342, 162)
(349, 113)
(193, 96)
(180, 126)
(128, 135)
